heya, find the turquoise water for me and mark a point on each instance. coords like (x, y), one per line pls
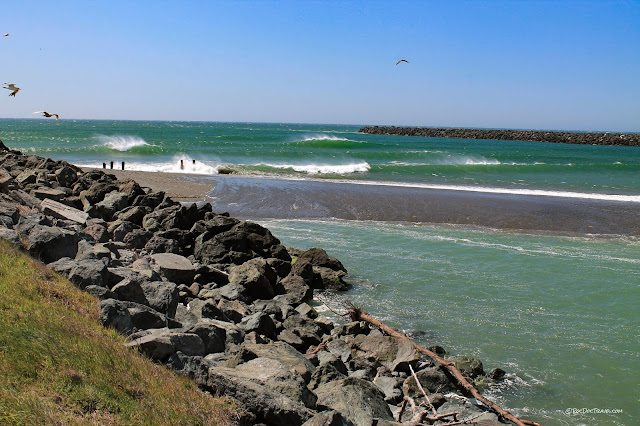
(559, 314)
(331, 152)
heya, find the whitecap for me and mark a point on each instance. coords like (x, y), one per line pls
(324, 168)
(324, 137)
(188, 166)
(121, 142)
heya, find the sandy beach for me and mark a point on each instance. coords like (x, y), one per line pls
(265, 198)
(180, 187)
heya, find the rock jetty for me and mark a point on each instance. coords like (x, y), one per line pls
(221, 300)
(626, 139)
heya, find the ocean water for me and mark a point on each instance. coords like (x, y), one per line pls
(333, 152)
(559, 314)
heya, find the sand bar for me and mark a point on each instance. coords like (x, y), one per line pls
(266, 198)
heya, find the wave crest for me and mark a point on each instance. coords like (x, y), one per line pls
(316, 141)
(324, 137)
(122, 142)
(314, 169)
(173, 166)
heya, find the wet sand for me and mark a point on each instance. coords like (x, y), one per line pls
(265, 198)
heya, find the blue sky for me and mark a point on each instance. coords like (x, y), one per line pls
(506, 64)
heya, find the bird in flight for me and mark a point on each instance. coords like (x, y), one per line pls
(11, 87)
(47, 114)
(402, 60)
(5, 35)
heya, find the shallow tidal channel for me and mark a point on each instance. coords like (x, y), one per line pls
(560, 314)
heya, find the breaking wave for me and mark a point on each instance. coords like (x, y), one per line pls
(341, 169)
(122, 142)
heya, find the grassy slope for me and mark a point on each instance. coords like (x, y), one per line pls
(59, 366)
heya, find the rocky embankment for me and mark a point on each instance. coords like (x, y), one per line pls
(221, 300)
(628, 139)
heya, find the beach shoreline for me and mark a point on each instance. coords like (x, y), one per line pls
(259, 198)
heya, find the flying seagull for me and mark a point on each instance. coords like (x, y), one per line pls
(5, 35)
(47, 114)
(402, 60)
(11, 87)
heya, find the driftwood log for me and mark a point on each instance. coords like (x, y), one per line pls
(448, 367)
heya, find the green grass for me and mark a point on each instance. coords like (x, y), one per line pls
(59, 366)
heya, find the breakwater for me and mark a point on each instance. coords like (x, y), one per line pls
(623, 139)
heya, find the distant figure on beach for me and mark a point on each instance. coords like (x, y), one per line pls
(11, 87)
(47, 114)
(402, 60)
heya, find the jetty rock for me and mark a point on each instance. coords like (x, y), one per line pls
(625, 139)
(217, 298)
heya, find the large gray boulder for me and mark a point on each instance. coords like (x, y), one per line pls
(253, 283)
(235, 310)
(470, 367)
(173, 267)
(296, 289)
(137, 238)
(86, 250)
(162, 296)
(7, 182)
(432, 379)
(66, 176)
(269, 406)
(328, 272)
(160, 344)
(394, 354)
(259, 322)
(95, 193)
(285, 353)
(9, 235)
(212, 334)
(205, 309)
(324, 374)
(276, 376)
(131, 188)
(9, 211)
(119, 229)
(358, 400)
(89, 272)
(118, 314)
(153, 221)
(151, 200)
(133, 214)
(244, 241)
(50, 243)
(305, 328)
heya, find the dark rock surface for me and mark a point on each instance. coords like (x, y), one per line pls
(628, 139)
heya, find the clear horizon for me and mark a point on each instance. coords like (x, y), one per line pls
(327, 124)
(570, 66)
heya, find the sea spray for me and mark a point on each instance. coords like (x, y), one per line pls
(121, 142)
(341, 169)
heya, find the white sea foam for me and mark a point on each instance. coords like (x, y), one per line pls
(341, 169)
(173, 166)
(324, 137)
(121, 142)
(450, 160)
